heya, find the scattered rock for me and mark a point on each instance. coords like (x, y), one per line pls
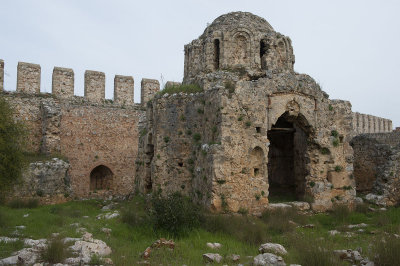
(107, 231)
(334, 232)
(275, 206)
(74, 224)
(268, 259)
(108, 207)
(87, 237)
(86, 249)
(234, 257)
(351, 226)
(26, 215)
(272, 247)
(162, 242)
(20, 227)
(108, 216)
(81, 230)
(214, 245)
(300, 205)
(376, 199)
(358, 200)
(146, 253)
(8, 239)
(212, 257)
(308, 226)
(352, 256)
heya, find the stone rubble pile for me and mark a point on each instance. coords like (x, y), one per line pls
(82, 249)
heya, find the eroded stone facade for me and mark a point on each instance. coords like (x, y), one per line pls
(97, 138)
(258, 130)
(377, 166)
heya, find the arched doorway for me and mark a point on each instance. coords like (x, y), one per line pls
(287, 158)
(100, 178)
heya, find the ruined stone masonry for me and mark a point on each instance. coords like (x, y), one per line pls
(258, 131)
(97, 138)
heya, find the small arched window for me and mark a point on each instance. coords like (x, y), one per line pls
(216, 54)
(100, 178)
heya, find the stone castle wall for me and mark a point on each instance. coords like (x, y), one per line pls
(377, 166)
(88, 131)
(363, 123)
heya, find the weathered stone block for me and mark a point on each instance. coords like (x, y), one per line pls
(149, 87)
(339, 179)
(123, 89)
(95, 83)
(28, 78)
(63, 82)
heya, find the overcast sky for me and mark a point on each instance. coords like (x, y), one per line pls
(352, 48)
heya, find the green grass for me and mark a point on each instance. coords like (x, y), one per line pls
(133, 232)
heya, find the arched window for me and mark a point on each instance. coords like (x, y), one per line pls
(216, 54)
(100, 178)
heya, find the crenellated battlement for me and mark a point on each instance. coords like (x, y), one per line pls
(63, 79)
(363, 123)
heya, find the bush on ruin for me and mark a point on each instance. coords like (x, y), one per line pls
(11, 147)
(175, 214)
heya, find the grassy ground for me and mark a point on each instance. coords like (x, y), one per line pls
(238, 234)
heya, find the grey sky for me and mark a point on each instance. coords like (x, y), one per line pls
(352, 48)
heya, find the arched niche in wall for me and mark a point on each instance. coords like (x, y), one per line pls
(241, 54)
(101, 178)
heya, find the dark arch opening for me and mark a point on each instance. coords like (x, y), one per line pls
(101, 178)
(264, 49)
(149, 159)
(287, 159)
(216, 54)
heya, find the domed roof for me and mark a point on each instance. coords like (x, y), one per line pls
(234, 20)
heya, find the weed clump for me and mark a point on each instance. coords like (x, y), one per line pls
(56, 251)
(282, 220)
(23, 204)
(175, 214)
(387, 252)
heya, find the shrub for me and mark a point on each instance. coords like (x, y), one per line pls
(338, 168)
(3, 220)
(240, 118)
(166, 139)
(196, 137)
(335, 142)
(200, 111)
(230, 86)
(334, 133)
(19, 204)
(325, 151)
(56, 251)
(248, 123)
(135, 214)
(387, 253)
(11, 148)
(175, 214)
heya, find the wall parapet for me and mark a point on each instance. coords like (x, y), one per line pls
(63, 84)
(363, 123)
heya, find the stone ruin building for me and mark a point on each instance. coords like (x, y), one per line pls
(255, 130)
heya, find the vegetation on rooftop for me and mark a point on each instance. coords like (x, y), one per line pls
(185, 88)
